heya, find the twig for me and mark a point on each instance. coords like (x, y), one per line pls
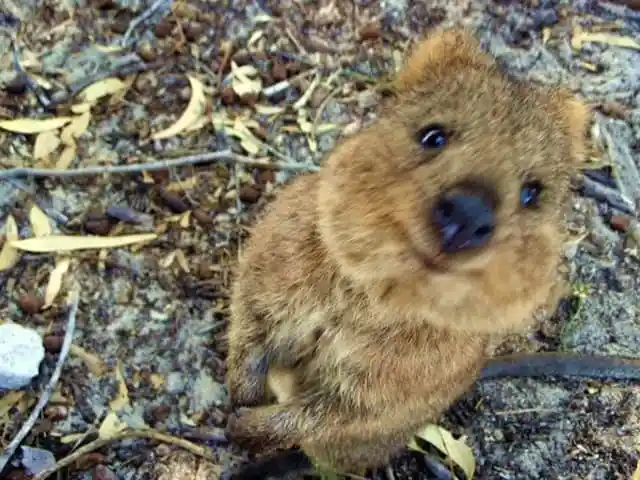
(143, 17)
(602, 193)
(222, 156)
(199, 450)
(46, 394)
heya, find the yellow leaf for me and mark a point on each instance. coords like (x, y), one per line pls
(34, 125)
(193, 112)
(55, 281)
(40, 223)
(72, 437)
(111, 425)
(122, 398)
(67, 243)
(182, 261)
(66, 157)
(101, 89)
(268, 109)
(168, 260)
(76, 127)
(95, 365)
(81, 108)
(636, 474)
(9, 256)
(580, 37)
(9, 400)
(108, 48)
(455, 450)
(157, 380)
(46, 143)
(241, 82)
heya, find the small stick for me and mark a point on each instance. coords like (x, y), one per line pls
(201, 451)
(143, 17)
(602, 193)
(46, 394)
(222, 156)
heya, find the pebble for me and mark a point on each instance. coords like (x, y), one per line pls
(30, 303)
(175, 383)
(21, 352)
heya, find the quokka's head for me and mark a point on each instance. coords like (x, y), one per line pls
(458, 185)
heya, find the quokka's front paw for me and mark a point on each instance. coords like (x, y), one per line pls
(260, 430)
(246, 381)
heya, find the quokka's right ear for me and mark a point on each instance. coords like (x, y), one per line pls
(442, 51)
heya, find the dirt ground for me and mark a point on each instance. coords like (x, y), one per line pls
(149, 344)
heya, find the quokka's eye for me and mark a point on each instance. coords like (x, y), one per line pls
(529, 193)
(432, 136)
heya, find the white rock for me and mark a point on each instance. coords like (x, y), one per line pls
(21, 352)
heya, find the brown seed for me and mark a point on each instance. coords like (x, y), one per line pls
(104, 4)
(98, 227)
(202, 217)
(193, 31)
(160, 413)
(265, 176)
(249, 193)
(53, 343)
(146, 52)
(249, 100)
(370, 32)
(102, 472)
(279, 71)
(31, 303)
(120, 25)
(174, 201)
(56, 412)
(204, 271)
(242, 57)
(620, 223)
(160, 176)
(164, 28)
(228, 95)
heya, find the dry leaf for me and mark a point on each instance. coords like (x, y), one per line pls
(168, 260)
(67, 243)
(46, 143)
(76, 127)
(95, 365)
(111, 425)
(81, 107)
(101, 89)
(636, 474)
(40, 223)
(182, 185)
(72, 438)
(55, 281)
(66, 157)
(33, 125)
(194, 111)
(9, 255)
(182, 261)
(157, 380)
(455, 450)
(122, 398)
(184, 219)
(302, 101)
(9, 400)
(241, 82)
(581, 37)
(268, 110)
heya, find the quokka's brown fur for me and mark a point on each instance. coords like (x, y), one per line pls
(344, 306)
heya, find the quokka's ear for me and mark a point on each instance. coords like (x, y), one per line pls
(442, 51)
(578, 117)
